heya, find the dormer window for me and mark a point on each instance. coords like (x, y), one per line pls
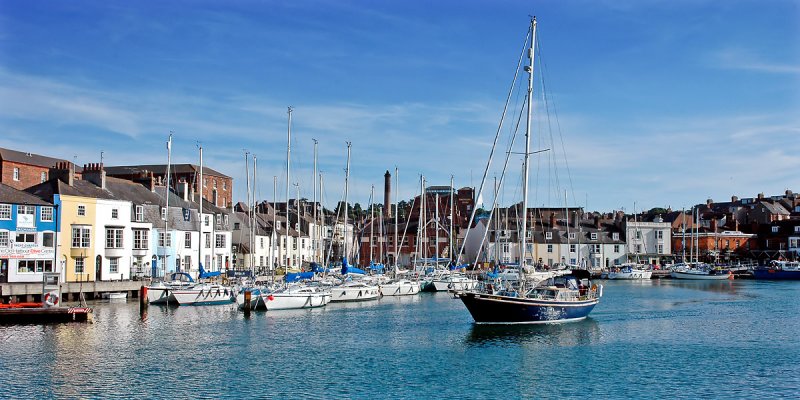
(548, 235)
(164, 213)
(774, 229)
(139, 213)
(572, 235)
(593, 236)
(615, 235)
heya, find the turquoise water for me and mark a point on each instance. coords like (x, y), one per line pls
(656, 339)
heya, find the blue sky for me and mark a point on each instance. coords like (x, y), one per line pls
(664, 103)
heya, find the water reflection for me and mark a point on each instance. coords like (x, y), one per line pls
(569, 334)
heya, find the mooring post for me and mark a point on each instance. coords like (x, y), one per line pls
(247, 296)
(143, 298)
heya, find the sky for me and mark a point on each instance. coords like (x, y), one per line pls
(648, 103)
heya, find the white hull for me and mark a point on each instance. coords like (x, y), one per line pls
(454, 283)
(403, 288)
(159, 295)
(698, 276)
(116, 295)
(630, 275)
(344, 293)
(291, 301)
(203, 296)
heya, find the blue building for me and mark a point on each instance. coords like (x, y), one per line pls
(28, 236)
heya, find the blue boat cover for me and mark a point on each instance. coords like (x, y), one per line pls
(175, 276)
(298, 276)
(205, 274)
(376, 268)
(455, 267)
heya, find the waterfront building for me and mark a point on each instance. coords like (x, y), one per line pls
(28, 236)
(21, 170)
(217, 187)
(650, 241)
(252, 252)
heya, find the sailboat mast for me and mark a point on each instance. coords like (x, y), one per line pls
(200, 242)
(288, 157)
(249, 206)
(436, 226)
(452, 221)
(683, 235)
(371, 221)
(566, 217)
(496, 225)
(166, 208)
(396, 217)
(527, 146)
(253, 220)
(273, 239)
(346, 193)
(314, 244)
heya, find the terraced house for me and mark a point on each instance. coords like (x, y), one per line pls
(28, 235)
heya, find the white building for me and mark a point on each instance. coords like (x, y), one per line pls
(648, 242)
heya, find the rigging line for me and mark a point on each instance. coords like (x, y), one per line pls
(543, 66)
(502, 178)
(494, 145)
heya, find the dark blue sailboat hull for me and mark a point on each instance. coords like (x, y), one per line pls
(491, 309)
(776, 274)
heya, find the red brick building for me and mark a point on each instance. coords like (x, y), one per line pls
(217, 187)
(22, 170)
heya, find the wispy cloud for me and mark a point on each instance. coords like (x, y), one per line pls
(748, 60)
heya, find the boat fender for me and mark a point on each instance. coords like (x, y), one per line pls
(594, 287)
(600, 294)
(51, 299)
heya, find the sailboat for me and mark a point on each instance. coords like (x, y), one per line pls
(549, 297)
(698, 270)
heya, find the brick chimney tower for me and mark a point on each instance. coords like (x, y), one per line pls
(387, 195)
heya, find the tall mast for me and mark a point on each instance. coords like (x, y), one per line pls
(314, 244)
(527, 146)
(566, 217)
(288, 219)
(371, 221)
(452, 221)
(346, 193)
(396, 217)
(321, 225)
(436, 226)
(253, 220)
(683, 235)
(249, 205)
(166, 209)
(496, 225)
(273, 239)
(200, 241)
(298, 225)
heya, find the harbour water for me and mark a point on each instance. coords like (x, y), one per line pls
(652, 339)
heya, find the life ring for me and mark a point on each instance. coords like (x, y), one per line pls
(51, 299)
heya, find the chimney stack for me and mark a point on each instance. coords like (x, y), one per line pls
(760, 196)
(709, 203)
(597, 221)
(713, 224)
(183, 189)
(147, 180)
(576, 219)
(552, 220)
(734, 199)
(95, 173)
(387, 195)
(63, 171)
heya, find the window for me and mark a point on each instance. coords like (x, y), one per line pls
(225, 217)
(616, 248)
(220, 242)
(549, 248)
(548, 235)
(4, 239)
(187, 240)
(262, 242)
(638, 248)
(593, 236)
(261, 260)
(208, 240)
(5, 211)
(46, 214)
(215, 183)
(114, 213)
(638, 234)
(615, 236)
(113, 238)
(113, 265)
(81, 237)
(139, 213)
(26, 238)
(164, 213)
(660, 249)
(218, 219)
(43, 176)
(81, 211)
(727, 244)
(30, 266)
(224, 185)
(774, 229)
(659, 234)
(236, 226)
(207, 220)
(47, 239)
(78, 265)
(294, 243)
(26, 210)
(16, 174)
(572, 235)
(187, 263)
(797, 229)
(573, 248)
(164, 239)
(205, 182)
(140, 239)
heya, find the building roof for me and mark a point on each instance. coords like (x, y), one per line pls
(774, 208)
(9, 195)
(31, 159)
(161, 169)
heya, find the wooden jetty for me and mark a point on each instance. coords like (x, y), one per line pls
(34, 313)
